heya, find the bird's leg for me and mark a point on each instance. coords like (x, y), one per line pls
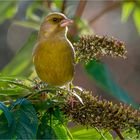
(69, 86)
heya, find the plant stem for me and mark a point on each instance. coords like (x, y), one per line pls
(10, 102)
(47, 3)
(79, 11)
(80, 8)
(119, 134)
(104, 11)
(63, 6)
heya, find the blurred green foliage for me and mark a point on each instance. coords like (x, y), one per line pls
(21, 64)
(132, 7)
(8, 10)
(21, 114)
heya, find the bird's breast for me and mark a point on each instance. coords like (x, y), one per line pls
(53, 60)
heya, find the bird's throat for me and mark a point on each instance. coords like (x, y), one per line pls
(62, 33)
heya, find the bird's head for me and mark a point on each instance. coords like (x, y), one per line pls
(55, 23)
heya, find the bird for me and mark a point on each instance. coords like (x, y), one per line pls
(53, 56)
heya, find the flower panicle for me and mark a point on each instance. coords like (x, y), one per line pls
(91, 47)
(103, 114)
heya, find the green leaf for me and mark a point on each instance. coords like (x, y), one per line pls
(19, 80)
(45, 131)
(21, 64)
(14, 83)
(7, 10)
(6, 113)
(61, 132)
(127, 8)
(6, 131)
(25, 121)
(51, 126)
(15, 86)
(12, 91)
(80, 132)
(100, 73)
(136, 17)
(58, 3)
(28, 24)
(58, 114)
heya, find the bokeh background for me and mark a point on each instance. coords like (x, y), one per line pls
(19, 19)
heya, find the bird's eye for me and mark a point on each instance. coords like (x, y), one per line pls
(55, 20)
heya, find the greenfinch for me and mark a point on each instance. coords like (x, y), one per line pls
(53, 56)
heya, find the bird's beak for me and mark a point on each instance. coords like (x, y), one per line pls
(66, 22)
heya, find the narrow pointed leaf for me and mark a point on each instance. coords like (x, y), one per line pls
(127, 8)
(136, 17)
(28, 24)
(101, 74)
(61, 132)
(21, 64)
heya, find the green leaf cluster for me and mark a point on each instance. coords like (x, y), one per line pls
(19, 121)
(132, 7)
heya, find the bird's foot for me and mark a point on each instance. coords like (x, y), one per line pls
(72, 101)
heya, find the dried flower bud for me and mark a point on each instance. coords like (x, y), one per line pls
(93, 47)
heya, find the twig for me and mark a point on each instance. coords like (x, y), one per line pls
(47, 3)
(104, 11)
(78, 13)
(63, 6)
(80, 8)
(119, 134)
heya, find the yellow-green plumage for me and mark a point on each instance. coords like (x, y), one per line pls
(53, 58)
